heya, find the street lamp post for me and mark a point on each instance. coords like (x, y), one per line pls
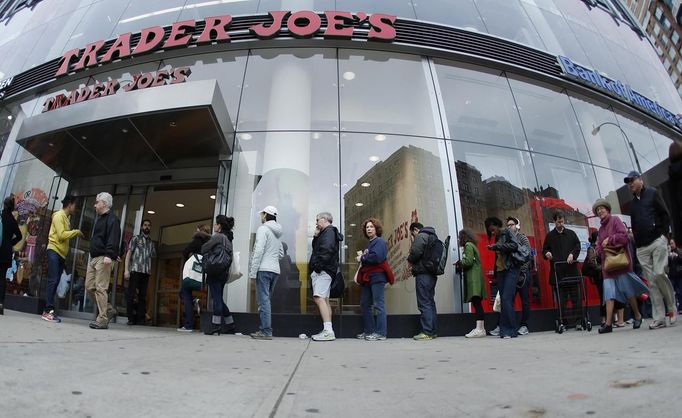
(595, 131)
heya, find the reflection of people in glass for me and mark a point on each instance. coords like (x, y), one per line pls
(424, 281)
(620, 284)
(10, 236)
(506, 274)
(324, 263)
(373, 276)
(523, 287)
(267, 250)
(475, 290)
(216, 281)
(562, 245)
(190, 280)
(57, 250)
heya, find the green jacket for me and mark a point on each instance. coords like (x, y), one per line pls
(473, 273)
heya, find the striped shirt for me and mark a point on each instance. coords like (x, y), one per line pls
(142, 250)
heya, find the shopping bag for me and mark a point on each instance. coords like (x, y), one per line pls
(235, 269)
(497, 306)
(63, 285)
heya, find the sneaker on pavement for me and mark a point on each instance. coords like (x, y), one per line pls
(476, 333)
(523, 330)
(97, 325)
(51, 317)
(375, 337)
(183, 329)
(422, 336)
(495, 332)
(657, 324)
(324, 336)
(361, 336)
(260, 335)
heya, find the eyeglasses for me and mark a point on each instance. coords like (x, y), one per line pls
(511, 224)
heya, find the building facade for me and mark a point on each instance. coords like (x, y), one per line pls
(443, 111)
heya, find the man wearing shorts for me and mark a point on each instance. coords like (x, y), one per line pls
(324, 263)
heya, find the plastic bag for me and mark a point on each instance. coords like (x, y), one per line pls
(497, 306)
(235, 269)
(63, 286)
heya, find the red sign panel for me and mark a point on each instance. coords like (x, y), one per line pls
(301, 24)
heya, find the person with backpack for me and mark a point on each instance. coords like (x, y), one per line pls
(192, 274)
(324, 263)
(475, 289)
(424, 278)
(525, 271)
(216, 260)
(267, 251)
(506, 273)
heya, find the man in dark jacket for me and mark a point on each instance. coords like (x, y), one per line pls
(324, 263)
(424, 281)
(104, 250)
(562, 246)
(650, 225)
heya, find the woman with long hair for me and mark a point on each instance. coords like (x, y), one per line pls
(619, 285)
(373, 275)
(470, 265)
(216, 281)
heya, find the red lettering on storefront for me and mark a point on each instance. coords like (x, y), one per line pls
(89, 57)
(266, 32)
(83, 94)
(178, 35)
(338, 25)
(382, 27)
(304, 24)
(146, 43)
(66, 61)
(180, 75)
(160, 79)
(215, 25)
(120, 47)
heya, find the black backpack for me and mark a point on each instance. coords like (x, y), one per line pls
(217, 261)
(436, 255)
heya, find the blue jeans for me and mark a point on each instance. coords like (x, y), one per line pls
(373, 294)
(425, 285)
(188, 285)
(506, 283)
(265, 285)
(216, 285)
(523, 292)
(55, 268)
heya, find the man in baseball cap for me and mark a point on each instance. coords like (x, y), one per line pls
(270, 210)
(631, 176)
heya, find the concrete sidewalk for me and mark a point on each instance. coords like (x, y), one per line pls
(70, 370)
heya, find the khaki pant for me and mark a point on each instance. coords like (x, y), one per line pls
(97, 280)
(654, 259)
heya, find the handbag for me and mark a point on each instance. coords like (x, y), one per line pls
(497, 306)
(218, 260)
(235, 269)
(615, 259)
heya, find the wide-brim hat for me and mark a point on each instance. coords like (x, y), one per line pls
(601, 202)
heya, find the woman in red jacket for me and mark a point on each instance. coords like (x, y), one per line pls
(620, 284)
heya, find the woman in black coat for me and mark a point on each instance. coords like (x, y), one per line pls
(10, 236)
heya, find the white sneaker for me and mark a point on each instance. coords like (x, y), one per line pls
(523, 330)
(183, 329)
(324, 336)
(476, 333)
(495, 332)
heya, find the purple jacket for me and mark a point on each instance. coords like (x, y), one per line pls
(613, 228)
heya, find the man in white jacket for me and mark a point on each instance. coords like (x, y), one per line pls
(264, 267)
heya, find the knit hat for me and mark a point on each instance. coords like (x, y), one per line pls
(601, 202)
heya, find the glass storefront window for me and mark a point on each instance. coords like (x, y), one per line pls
(508, 20)
(479, 105)
(227, 68)
(549, 120)
(55, 36)
(298, 173)
(200, 9)
(265, 6)
(612, 189)
(98, 23)
(399, 8)
(374, 96)
(290, 91)
(643, 144)
(556, 34)
(398, 180)
(596, 50)
(143, 14)
(440, 11)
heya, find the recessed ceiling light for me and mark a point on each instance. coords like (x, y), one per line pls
(365, 184)
(380, 137)
(349, 75)
(151, 212)
(349, 236)
(124, 130)
(359, 204)
(84, 137)
(173, 124)
(180, 205)
(9, 117)
(245, 137)
(353, 225)
(50, 144)
(374, 158)
(213, 196)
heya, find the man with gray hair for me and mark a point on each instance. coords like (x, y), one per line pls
(324, 263)
(104, 250)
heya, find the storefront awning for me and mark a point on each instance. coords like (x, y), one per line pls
(170, 127)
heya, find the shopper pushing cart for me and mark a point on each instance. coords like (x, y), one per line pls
(570, 298)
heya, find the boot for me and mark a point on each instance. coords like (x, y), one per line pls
(214, 329)
(2, 309)
(229, 329)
